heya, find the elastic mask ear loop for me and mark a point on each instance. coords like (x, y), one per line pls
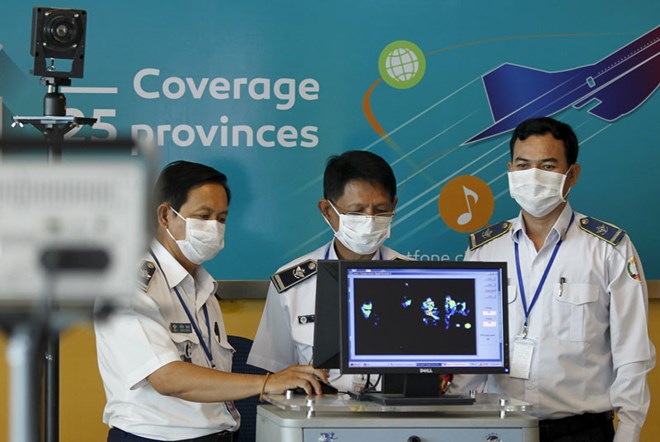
(328, 221)
(179, 215)
(564, 197)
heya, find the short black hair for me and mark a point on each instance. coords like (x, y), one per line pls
(180, 177)
(357, 165)
(541, 126)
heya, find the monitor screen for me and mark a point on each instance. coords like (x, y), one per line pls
(416, 317)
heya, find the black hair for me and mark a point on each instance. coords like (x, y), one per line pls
(180, 177)
(541, 126)
(357, 165)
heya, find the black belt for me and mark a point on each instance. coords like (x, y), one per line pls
(116, 435)
(550, 429)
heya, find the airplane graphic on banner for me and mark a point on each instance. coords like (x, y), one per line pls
(619, 83)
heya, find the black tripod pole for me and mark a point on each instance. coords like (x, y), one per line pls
(55, 106)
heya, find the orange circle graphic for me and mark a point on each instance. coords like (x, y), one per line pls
(466, 203)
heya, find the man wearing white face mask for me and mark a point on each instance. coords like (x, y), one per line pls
(359, 199)
(578, 301)
(166, 363)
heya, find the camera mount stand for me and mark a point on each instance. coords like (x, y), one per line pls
(54, 123)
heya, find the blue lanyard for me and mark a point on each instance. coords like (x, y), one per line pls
(207, 349)
(541, 283)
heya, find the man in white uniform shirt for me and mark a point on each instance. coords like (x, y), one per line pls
(166, 362)
(578, 303)
(359, 198)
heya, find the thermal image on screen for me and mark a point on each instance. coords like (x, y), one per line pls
(406, 317)
(430, 313)
(415, 316)
(452, 308)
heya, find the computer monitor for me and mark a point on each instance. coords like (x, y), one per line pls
(423, 318)
(326, 315)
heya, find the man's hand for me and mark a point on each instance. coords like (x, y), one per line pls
(304, 376)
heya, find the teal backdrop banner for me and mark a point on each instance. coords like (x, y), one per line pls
(266, 91)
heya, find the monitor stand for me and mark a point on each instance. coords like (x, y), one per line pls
(414, 389)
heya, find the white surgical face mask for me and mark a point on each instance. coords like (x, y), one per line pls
(538, 192)
(363, 234)
(204, 239)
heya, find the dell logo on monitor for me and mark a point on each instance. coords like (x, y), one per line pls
(425, 370)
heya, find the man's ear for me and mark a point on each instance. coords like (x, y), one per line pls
(324, 208)
(573, 174)
(161, 215)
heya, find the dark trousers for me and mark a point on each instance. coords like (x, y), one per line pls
(588, 427)
(117, 435)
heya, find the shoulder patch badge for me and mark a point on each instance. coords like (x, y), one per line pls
(145, 273)
(631, 268)
(602, 230)
(293, 275)
(483, 236)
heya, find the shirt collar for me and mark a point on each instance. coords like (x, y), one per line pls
(563, 222)
(175, 273)
(558, 231)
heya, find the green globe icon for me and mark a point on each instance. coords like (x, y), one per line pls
(402, 64)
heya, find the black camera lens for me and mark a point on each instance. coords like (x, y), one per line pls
(62, 31)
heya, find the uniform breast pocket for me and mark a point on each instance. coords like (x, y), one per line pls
(574, 311)
(223, 354)
(302, 329)
(185, 343)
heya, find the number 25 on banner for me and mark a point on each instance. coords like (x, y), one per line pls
(466, 203)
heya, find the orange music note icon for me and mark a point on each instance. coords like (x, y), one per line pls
(466, 217)
(462, 191)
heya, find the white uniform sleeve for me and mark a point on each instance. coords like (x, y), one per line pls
(132, 344)
(273, 348)
(633, 354)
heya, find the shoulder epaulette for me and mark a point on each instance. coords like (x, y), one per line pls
(401, 258)
(488, 234)
(287, 278)
(602, 230)
(145, 273)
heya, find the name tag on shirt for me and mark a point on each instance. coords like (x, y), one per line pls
(180, 327)
(521, 358)
(306, 319)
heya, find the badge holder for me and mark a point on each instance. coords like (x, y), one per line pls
(521, 357)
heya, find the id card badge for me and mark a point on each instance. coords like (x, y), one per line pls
(231, 408)
(521, 358)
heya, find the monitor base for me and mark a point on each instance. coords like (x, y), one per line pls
(400, 399)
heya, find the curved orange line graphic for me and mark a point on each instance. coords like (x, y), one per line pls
(366, 107)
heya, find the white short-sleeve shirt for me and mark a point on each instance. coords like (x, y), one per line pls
(589, 323)
(134, 343)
